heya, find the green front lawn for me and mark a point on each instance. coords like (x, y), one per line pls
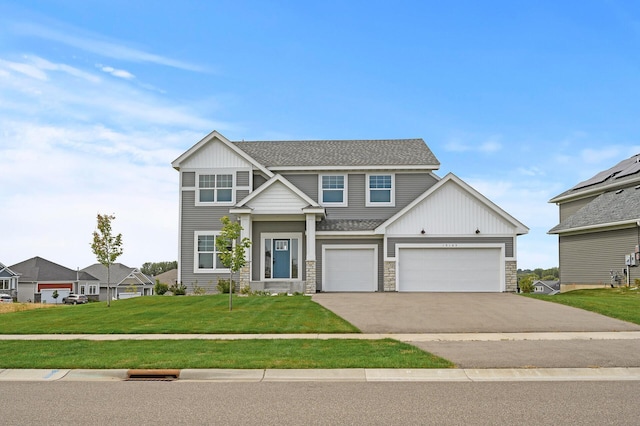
(241, 354)
(181, 314)
(621, 303)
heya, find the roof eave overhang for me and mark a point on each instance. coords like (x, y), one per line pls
(367, 167)
(598, 227)
(369, 233)
(593, 191)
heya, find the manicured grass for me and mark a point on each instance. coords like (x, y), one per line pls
(242, 354)
(621, 303)
(181, 314)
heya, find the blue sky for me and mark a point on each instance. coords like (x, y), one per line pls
(522, 100)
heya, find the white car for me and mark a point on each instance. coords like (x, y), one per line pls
(5, 298)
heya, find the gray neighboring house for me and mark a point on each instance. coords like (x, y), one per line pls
(546, 287)
(124, 282)
(8, 281)
(599, 229)
(39, 278)
(340, 216)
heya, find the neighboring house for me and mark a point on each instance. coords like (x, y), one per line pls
(599, 232)
(546, 287)
(124, 282)
(358, 215)
(8, 282)
(40, 278)
(169, 277)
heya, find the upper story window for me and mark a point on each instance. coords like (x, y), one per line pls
(380, 190)
(207, 257)
(333, 190)
(215, 188)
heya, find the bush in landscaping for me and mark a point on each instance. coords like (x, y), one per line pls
(161, 288)
(178, 289)
(223, 286)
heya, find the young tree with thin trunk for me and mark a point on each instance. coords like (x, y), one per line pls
(106, 246)
(231, 250)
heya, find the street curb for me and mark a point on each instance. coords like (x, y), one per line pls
(337, 375)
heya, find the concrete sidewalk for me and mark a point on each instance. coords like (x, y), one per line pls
(403, 337)
(338, 375)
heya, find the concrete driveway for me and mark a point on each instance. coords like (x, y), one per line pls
(462, 313)
(491, 313)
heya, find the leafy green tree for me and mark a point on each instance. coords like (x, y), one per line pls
(231, 250)
(106, 246)
(157, 268)
(55, 296)
(526, 283)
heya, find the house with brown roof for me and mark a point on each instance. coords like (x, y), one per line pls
(341, 216)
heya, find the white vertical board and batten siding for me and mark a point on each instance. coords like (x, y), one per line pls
(451, 211)
(277, 199)
(215, 156)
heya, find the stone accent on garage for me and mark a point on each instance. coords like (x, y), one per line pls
(511, 275)
(245, 276)
(389, 275)
(310, 286)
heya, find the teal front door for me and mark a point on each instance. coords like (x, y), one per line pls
(282, 258)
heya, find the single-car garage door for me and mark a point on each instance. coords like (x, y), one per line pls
(472, 269)
(350, 268)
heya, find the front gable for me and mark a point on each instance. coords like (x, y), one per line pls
(215, 151)
(277, 196)
(452, 207)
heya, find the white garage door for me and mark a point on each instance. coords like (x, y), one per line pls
(46, 296)
(350, 268)
(450, 269)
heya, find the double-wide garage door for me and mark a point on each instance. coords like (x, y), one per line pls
(350, 268)
(477, 269)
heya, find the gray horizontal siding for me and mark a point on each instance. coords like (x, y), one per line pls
(188, 179)
(242, 178)
(408, 186)
(589, 258)
(258, 228)
(196, 218)
(507, 241)
(570, 208)
(350, 241)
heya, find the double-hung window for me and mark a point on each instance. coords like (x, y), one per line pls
(215, 188)
(333, 190)
(380, 190)
(207, 256)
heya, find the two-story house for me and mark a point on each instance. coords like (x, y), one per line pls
(341, 215)
(599, 229)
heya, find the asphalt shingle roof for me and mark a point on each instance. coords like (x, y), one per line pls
(38, 269)
(609, 207)
(348, 224)
(118, 272)
(341, 153)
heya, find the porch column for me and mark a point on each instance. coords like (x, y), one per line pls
(310, 263)
(245, 272)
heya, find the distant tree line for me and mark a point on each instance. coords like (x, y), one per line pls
(157, 268)
(550, 274)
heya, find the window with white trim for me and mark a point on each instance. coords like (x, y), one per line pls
(206, 253)
(380, 190)
(5, 283)
(215, 188)
(93, 289)
(333, 190)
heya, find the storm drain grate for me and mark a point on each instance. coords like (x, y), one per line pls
(153, 375)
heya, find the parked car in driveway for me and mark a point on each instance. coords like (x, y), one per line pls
(6, 298)
(75, 299)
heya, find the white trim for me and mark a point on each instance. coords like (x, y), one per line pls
(215, 135)
(453, 246)
(392, 195)
(610, 226)
(345, 191)
(196, 268)
(285, 182)
(281, 235)
(216, 173)
(373, 247)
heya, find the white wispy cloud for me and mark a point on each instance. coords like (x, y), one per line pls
(470, 144)
(96, 44)
(116, 72)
